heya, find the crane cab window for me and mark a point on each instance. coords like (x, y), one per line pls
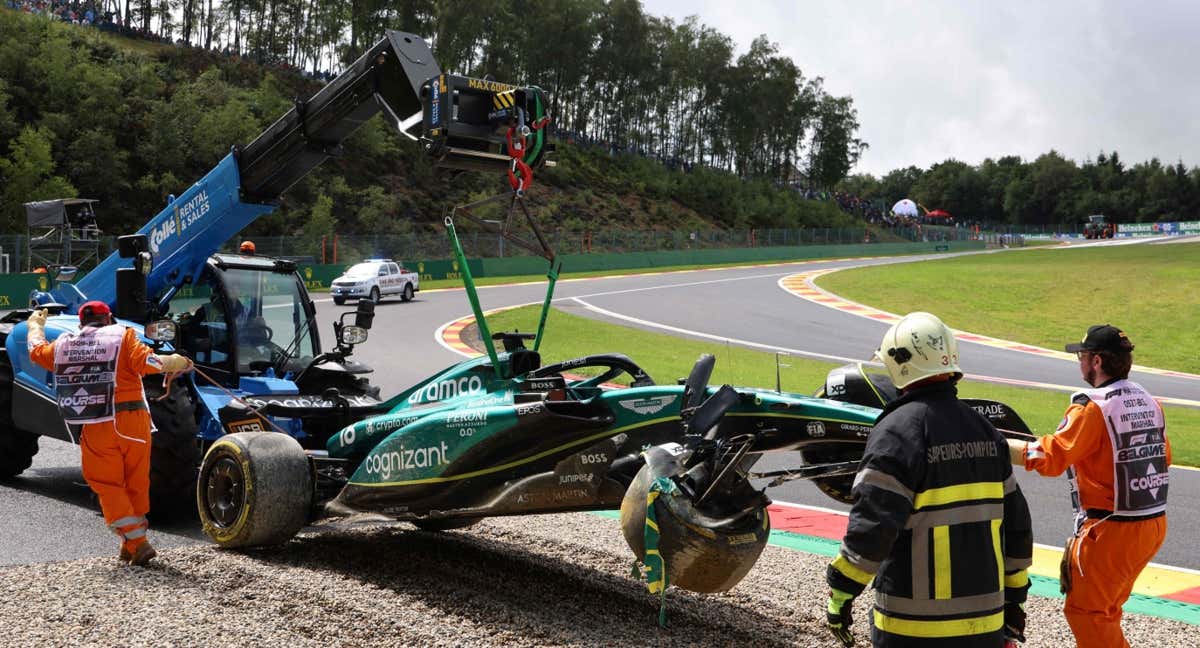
(205, 329)
(245, 321)
(271, 320)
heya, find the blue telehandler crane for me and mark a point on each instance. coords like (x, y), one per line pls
(248, 321)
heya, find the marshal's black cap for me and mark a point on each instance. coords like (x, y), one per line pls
(1103, 337)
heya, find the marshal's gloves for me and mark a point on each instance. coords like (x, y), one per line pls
(37, 328)
(1016, 451)
(175, 363)
(837, 616)
(1014, 621)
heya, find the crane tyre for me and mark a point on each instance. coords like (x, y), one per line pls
(174, 450)
(17, 447)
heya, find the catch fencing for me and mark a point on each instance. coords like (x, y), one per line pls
(334, 248)
(490, 245)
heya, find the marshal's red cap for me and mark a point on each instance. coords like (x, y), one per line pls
(93, 308)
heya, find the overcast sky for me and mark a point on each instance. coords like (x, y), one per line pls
(976, 79)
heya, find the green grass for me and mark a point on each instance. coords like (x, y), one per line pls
(667, 358)
(1050, 297)
(664, 357)
(1032, 242)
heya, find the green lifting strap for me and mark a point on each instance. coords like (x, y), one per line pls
(473, 296)
(656, 566)
(551, 279)
(538, 135)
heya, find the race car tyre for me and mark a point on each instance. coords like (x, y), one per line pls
(255, 489)
(174, 453)
(837, 488)
(445, 524)
(407, 295)
(17, 447)
(375, 294)
(700, 557)
(339, 300)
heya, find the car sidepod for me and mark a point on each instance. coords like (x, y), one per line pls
(482, 461)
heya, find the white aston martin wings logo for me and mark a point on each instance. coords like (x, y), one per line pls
(647, 405)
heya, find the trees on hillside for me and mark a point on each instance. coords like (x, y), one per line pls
(82, 115)
(616, 75)
(130, 130)
(1048, 191)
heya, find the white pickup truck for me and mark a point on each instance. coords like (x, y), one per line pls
(375, 278)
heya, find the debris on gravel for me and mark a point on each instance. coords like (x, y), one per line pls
(559, 580)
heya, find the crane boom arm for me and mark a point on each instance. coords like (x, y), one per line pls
(388, 77)
(394, 76)
(246, 183)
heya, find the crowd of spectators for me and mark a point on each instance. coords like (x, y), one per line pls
(867, 210)
(871, 211)
(878, 214)
(78, 13)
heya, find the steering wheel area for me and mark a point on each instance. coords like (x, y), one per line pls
(256, 333)
(262, 356)
(256, 350)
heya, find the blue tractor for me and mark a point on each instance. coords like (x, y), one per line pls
(247, 321)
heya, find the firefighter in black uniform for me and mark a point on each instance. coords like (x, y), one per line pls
(938, 521)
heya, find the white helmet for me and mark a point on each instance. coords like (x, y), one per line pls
(918, 346)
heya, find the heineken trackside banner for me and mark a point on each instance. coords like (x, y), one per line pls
(1173, 227)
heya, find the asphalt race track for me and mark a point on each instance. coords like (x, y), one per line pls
(52, 515)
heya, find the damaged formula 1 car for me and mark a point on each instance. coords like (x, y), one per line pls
(505, 434)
